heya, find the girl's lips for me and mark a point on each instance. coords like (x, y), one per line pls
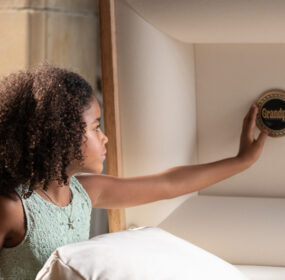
(104, 154)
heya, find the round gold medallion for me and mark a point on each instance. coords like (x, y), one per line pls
(271, 112)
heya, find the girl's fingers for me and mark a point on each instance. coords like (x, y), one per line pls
(263, 134)
(246, 118)
(253, 118)
(249, 120)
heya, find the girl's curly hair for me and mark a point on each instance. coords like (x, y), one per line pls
(41, 126)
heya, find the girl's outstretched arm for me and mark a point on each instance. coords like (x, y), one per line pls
(186, 179)
(110, 192)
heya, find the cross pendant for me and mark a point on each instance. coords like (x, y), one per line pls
(70, 223)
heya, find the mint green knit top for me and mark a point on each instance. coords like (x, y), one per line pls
(47, 229)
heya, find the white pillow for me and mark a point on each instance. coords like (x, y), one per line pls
(145, 253)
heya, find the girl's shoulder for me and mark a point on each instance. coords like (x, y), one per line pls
(11, 217)
(8, 205)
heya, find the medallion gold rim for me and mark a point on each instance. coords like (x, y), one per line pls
(270, 94)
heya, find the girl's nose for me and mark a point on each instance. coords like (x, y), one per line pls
(105, 138)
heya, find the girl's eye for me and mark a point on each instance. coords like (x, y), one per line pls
(96, 128)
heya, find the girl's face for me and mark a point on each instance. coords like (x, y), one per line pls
(94, 149)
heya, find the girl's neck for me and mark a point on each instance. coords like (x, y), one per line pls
(56, 191)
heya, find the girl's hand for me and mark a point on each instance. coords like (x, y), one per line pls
(250, 148)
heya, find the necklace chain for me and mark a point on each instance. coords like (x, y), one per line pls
(70, 222)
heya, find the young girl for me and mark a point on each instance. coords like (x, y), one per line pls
(50, 130)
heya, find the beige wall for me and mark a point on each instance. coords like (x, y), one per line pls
(157, 106)
(183, 104)
(215, 21)
(229, 78)
(60, 32)
(207, 90)
(14, 40)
